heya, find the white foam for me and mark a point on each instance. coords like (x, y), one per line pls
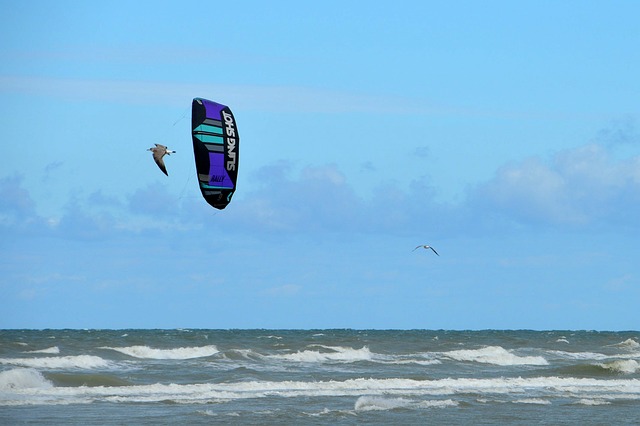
(534, 401)
(592, 402)
(494, 355)
(207, 413)
(579, 355)
(52, 350)
(412, 361)
(628, 344)
(145, 352)
(328, 412)
(64, 362)
(23, 378)
(385, 394)
(337, 354)
(212, 413)
(376, 403)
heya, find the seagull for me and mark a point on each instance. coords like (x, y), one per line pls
(426, 248)
(158, 152)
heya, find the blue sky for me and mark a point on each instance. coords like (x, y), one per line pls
(505, 134)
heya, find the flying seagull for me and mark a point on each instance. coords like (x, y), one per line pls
(158, 152)
(426, 248)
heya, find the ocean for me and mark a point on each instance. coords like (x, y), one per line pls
(314, 377)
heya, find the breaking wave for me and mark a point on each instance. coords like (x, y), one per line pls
(376, 403)
(23, 378)
(52, 350)
(579, 355)
(628, 344)
(494, 355)
(63, 362)
(331, 354)
(145, 352)
(27, 386)
(624, 366)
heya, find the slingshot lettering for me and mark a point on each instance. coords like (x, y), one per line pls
(231, 140)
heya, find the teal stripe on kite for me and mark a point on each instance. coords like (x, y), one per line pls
(210, 139)
(207, 186)
(205, 128)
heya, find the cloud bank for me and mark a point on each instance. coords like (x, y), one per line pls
(582, 188)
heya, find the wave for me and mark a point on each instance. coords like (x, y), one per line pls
(145, 352)
(624, 366)
(628, 344)
(23, 378)
(592, 402)
(64, 362)
(496, 355)
(52, 350)
(374, 403)
(327, 355)
(242, 354)
(341, 354)
(337, 354)
(579, 355)
(29, 387)
(534, 401)
(74, 380)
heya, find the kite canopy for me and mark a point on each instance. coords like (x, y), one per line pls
(215, 148)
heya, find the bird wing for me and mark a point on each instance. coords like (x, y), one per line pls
(417, 247)
(160, 164)
(434, 250)
(157, 156)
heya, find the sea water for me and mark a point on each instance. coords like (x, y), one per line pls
(335, 377)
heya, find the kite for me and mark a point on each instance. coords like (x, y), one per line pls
(215, 149)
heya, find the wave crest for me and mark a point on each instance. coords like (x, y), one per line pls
(23, 378)
(378, 403)
(145, 352)
(337, 354)
(73, 362)
(624, 366)
(52, 350)
(494, 355)
(628, 344)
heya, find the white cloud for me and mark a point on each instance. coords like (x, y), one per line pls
(580, 186)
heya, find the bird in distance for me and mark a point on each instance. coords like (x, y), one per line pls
(426, 248)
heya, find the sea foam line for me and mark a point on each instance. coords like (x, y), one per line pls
(38, 390)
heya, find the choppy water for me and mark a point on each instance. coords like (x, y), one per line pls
(318, 377)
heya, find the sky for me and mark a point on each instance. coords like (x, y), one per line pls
(504, 134)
